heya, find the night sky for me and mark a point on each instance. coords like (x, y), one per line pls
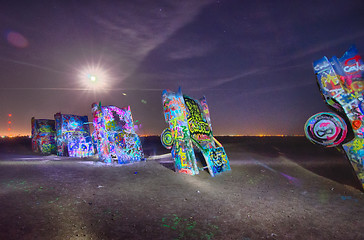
(251, 59)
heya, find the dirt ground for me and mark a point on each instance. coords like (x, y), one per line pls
(281, 188)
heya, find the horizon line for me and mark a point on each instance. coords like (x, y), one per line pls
(154, 135)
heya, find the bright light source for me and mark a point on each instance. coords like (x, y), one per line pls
(94, 78)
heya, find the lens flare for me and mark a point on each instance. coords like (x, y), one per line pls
(17, 40)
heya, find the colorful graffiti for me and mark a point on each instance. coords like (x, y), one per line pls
(43, 136)
(114, 135)
(327, 129)
(167, 139)
(341, 83)
(175, 115)
(73, 136)
(190, 125)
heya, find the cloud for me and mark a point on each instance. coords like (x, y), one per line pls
(30, 65)
(117, 36)
(313, 49)
(218, 82)
(192, 50)
(257, 92)
(277, 88)
(134, 31)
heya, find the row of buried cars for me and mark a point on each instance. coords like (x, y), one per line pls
(114, 138)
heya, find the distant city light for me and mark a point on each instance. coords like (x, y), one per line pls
(9, 123)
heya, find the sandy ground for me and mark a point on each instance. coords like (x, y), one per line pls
(280, 188)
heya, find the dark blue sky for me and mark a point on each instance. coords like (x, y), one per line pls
(251, 59)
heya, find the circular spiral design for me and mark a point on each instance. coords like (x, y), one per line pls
(327, 129)
(167, 139)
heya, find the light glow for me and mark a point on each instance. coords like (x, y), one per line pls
(94, 78)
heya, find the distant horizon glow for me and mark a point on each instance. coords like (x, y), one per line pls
(25, 134)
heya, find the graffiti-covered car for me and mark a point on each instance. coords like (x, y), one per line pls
(341, 82)
(115, 136)
(43, 136)
(73, 136)
(189, 127)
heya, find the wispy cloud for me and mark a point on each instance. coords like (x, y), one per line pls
(257, 92)
(30, 65)
(313, 49)
(218, 82)
(287, 63)
(277, 88)
(192, 50)
(134, 33)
